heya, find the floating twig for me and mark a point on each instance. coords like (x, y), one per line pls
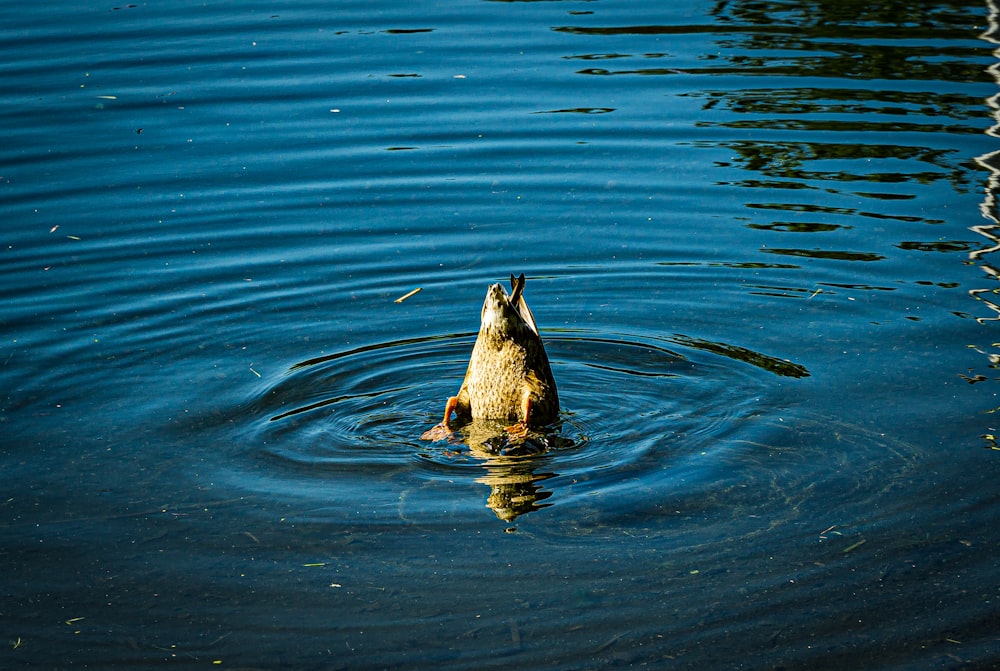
(405, 296)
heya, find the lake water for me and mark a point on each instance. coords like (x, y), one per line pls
(760, 242)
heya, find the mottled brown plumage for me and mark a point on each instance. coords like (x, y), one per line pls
(509, 375)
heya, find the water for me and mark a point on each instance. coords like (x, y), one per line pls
(758, 240)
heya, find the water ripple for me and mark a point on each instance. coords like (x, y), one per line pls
(643, 409)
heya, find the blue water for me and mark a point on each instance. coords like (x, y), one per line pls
(759, 241)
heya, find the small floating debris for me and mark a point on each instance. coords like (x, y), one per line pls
(829, 529)
(405, 296)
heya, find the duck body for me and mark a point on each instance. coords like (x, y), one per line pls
(509, 376)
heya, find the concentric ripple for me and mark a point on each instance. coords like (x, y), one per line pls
(645, 420)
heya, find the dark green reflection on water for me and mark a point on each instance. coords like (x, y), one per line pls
(833, 255)
(796, 227)
(855, 18)
(811, 100)
(845, 211)
(937, 246)
(787, 160)
(860, 40)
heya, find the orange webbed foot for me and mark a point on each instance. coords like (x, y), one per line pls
(439, 432)
(519, 430)
(442, 430)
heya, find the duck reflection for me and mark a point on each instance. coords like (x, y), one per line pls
(514, 468)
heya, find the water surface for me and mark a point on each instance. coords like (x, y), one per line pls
(758, 240)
